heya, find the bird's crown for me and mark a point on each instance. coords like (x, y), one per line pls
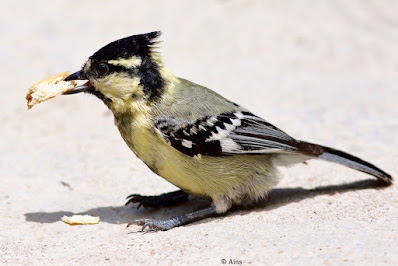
(137, 45)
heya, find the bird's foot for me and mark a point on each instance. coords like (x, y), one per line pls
(166, 199)
(155, 225)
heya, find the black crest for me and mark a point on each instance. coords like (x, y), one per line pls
(136, 45)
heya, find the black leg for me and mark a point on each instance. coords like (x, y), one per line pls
(166, 199)
(155, 225)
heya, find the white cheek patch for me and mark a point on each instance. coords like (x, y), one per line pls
(122, 87)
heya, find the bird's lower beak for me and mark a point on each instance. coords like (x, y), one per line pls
(80, 88)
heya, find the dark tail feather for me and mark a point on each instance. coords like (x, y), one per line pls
(340, 157)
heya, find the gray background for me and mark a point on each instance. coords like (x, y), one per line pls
(323, 71)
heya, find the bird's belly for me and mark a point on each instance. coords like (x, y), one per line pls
(240, 177)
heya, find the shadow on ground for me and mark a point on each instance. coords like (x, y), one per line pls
(277, 198)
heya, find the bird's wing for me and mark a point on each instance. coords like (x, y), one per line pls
(238, 132)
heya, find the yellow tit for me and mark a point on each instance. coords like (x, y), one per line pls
(191, 136)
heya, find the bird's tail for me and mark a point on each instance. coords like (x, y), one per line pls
(340, 157)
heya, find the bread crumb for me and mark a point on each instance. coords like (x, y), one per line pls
(80, 219)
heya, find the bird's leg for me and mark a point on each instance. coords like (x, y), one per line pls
(155, 225)
(165, 199)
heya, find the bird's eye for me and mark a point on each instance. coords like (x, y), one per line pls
(101, 69)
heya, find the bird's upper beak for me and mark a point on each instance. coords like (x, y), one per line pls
(79, 75)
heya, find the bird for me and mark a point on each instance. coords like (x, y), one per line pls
(206, 145)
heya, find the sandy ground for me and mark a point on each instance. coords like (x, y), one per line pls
(323, 71)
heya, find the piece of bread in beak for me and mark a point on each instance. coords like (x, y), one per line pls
(49, 88)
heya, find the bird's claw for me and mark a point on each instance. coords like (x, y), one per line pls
(166, 199)
(141, 200)
(150, 225)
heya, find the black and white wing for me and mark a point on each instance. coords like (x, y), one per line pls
(239, 132)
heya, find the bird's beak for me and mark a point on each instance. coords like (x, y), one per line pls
(76, 76)
(79, 75)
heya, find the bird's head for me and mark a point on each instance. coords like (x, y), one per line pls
(125, 74)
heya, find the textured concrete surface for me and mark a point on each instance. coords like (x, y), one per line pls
(323, 71)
